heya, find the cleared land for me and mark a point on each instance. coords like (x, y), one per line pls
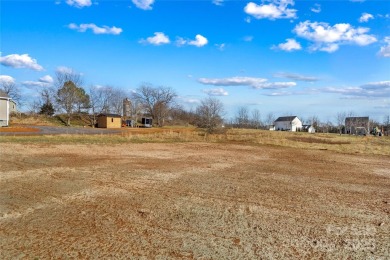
(182, 195)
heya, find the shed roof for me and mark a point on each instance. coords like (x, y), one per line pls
(110, 115)
(285, 118)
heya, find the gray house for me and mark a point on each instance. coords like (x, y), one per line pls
(7, 106)
(357, 125)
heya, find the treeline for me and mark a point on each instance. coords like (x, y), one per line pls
(68, 96)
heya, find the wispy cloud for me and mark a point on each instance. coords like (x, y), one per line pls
(143, 4)
(257, 83)
(289, 46)
(276, 9)
(95, 29)
(221, 46)
(365, 17)
(385, 50)
(328, 38)
(79, 3)
(20, 61)
(5, 79)
(218, 2)
(378, 89)
(44, 81)
(296, 77)
(159, 38)
(316, 8)
(199, 41)
(216, 92)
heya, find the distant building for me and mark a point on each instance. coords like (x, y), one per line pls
(357, 125)
(7, 106)
(126, 108)
(308, 128)
(109, 121)
(287, 123)
(146, 122)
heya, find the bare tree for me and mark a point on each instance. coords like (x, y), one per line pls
(340, 118)
(156, 101)
(242, 117)
(270, 119)
(209, 114)
(386, 123)
(66, 75)
(314, 121)
(11, 89)
(256, 119)
(116, 100)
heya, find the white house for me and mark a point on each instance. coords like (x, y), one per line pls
(308, 128)
(287, 123)
(7, 105)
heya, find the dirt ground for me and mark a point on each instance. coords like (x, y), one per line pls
(191, 201)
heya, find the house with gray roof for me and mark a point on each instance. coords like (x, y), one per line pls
(287, 123)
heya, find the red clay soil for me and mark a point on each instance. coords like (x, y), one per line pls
(18, 129)
(191, 201)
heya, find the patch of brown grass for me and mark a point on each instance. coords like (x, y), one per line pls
(315, 140)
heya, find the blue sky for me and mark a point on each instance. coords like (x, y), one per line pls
(283, 56)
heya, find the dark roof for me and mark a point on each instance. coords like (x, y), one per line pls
(3, 94)
(357, 118)
(285, 118)
(110, 115)
(306, 126)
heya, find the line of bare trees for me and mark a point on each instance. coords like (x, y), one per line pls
(68, 96)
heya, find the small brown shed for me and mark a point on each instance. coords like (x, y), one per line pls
(109, 121)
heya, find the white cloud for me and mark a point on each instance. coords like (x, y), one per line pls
(216, 92)
(95, 29)
(65, 70)
(385, 50)
(276, 9)
(159, 38)
(20, 61)
(365, 17)
(316, 8)
(46, 79)
(378, 89)
(35, 84)
(79, 3)
(289, 45)
(5, 79)
(221, 46)
(199, 41)
(143, 4)
(328, 38)
(295, 77)
(218, 2)
(257, 83)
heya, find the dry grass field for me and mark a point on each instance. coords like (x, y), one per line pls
(181, 194)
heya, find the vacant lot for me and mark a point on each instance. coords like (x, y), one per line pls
(192, 200)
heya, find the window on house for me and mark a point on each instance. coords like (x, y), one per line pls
(112, 120)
